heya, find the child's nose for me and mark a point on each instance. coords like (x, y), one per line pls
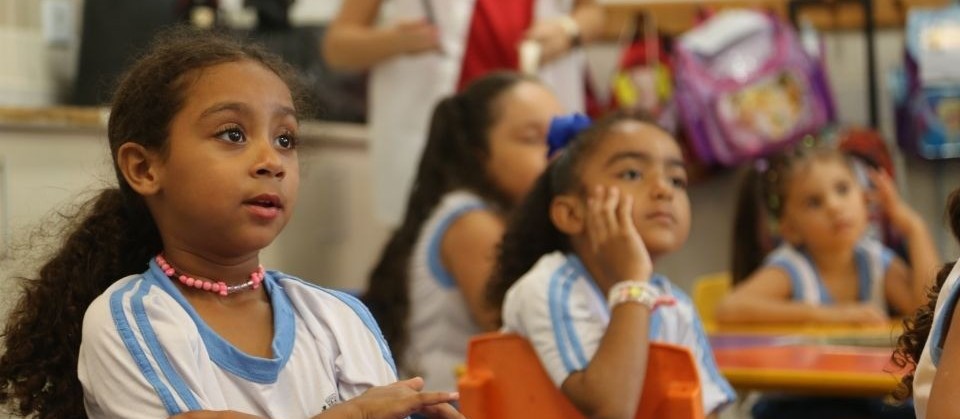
(268, 161)
(662, 188)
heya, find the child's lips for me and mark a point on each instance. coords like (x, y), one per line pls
(661, 217)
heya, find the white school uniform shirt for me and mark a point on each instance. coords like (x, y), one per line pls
(933, 350)
(440, 324)
(145, 353)
(560, 309)
(404, 89)
(872, 259)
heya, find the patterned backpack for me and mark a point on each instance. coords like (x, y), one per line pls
(745, 87)
(926, 90)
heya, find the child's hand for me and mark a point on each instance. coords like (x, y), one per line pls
(401, 399)
(614, 238)
(903, 218)
(864, 314)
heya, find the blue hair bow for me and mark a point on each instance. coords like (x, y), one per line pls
(563, 129)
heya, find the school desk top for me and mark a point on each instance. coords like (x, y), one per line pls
(808, 360)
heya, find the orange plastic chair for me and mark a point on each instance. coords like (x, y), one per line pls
(505, 380)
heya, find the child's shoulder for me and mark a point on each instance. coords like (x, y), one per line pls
(308, 297)
(548, 269)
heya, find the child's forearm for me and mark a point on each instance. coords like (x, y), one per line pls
(611, 384)
(754, 311)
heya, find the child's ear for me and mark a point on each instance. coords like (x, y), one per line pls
(568, 213)
(139, 167)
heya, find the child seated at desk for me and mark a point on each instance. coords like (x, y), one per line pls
(575, 269)
(928, 344)
(826, 270)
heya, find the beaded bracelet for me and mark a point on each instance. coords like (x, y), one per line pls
(640, 292)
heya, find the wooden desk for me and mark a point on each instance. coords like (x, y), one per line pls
(808, 361)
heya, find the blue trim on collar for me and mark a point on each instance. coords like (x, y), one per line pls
(130, 341)
(434, 261)
(223, 353)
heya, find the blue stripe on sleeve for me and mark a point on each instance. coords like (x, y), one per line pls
(434, 261)
(157, 351)
(568, 320)
(555, 303)
(129, 339)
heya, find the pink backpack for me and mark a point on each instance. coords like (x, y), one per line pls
(745, 87)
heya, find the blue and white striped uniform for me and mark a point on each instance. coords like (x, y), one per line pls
(933, 350)
(146, 353)
(560, 309)
(872, 259)
(440, 324)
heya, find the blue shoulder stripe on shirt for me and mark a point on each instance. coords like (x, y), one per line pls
(575, 344)
(555, 304)
(794, 276)
(433, 249)
(159, 355)
(129, 339)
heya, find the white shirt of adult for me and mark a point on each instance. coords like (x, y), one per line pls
(405, 89)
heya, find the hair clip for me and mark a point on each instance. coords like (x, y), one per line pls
(564, 129)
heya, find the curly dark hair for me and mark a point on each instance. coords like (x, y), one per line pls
(916, 329)
(453, 158)
(111, 236)
(530, 232)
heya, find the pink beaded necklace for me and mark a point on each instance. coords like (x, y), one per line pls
(219, 287)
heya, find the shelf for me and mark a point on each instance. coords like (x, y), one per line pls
(674, 17)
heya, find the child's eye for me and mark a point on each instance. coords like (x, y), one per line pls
(813, 202)
(679, 182)
(843, 188)
(287, 141)
(630, 174)
(232, 134)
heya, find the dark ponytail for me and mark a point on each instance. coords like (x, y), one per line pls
(42, 335)
(113, 235)
(750, 231)
(452, 159)
(916, 329)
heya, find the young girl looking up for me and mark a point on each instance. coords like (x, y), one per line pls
(486, 147)
(575, 272)
(203, 135)
(930, 344)
(825, 270)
